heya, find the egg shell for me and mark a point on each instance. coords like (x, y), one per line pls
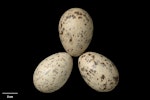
(75, 31)
(98, 71)
(53, 72)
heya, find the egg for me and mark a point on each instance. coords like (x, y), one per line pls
(75, 31)
(53, 72)
(98, 71)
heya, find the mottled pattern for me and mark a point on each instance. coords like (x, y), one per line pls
(98, 71)
(53, 72)
(75, 31)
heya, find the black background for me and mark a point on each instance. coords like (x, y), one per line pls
(30, 34)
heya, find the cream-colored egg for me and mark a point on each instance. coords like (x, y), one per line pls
(98, 71)
(75, 31)
(53, 72)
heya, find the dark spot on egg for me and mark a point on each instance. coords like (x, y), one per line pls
(61, 25)
(68, 17)
(95, 63)
(61, 33)
(102, 77)
(82, 56)
(93, 56)
(104, 86)
(82, 69)
(111, 83)
(70, 40)
(88, 80)
(73, 16)
(78, 13)
(65, 74)
(87, 73)
(103, 64)
(86, 70)
(116, 79)
(55, 71)
(89, 54)
(79, 63)
(79, 17)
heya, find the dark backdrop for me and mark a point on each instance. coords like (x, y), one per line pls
(30, 34)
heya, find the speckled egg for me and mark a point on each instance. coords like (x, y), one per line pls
(75, 31)
(98, 71)
(53, 72)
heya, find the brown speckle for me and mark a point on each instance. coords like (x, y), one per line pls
(93, 56)
(61, 33)
(103, 64)
(79, 17)
(87, 73)
(88, 80)
(55, 71)
(73, 16)
(116, 78)
(89, 54)
(61, 25)
(78, 13)
(102, 77)
(79, 62)
(104, 86)
(65, 74)
(68, 16)
(82, 56)
(111, 83)
(82, 69)
(86, 70)
(61, 71)
(95, 62)
(70, 40)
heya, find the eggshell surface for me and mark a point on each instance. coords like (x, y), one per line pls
(75, 31)
(98, 71)
(53, 72)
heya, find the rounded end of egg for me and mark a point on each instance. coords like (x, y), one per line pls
(75, 31)
(98, 71)
(53, 72)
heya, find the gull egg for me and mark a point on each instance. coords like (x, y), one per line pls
(53, 72)
(98, 71)
(75, 31)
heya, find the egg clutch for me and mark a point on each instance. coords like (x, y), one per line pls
(75, 33)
